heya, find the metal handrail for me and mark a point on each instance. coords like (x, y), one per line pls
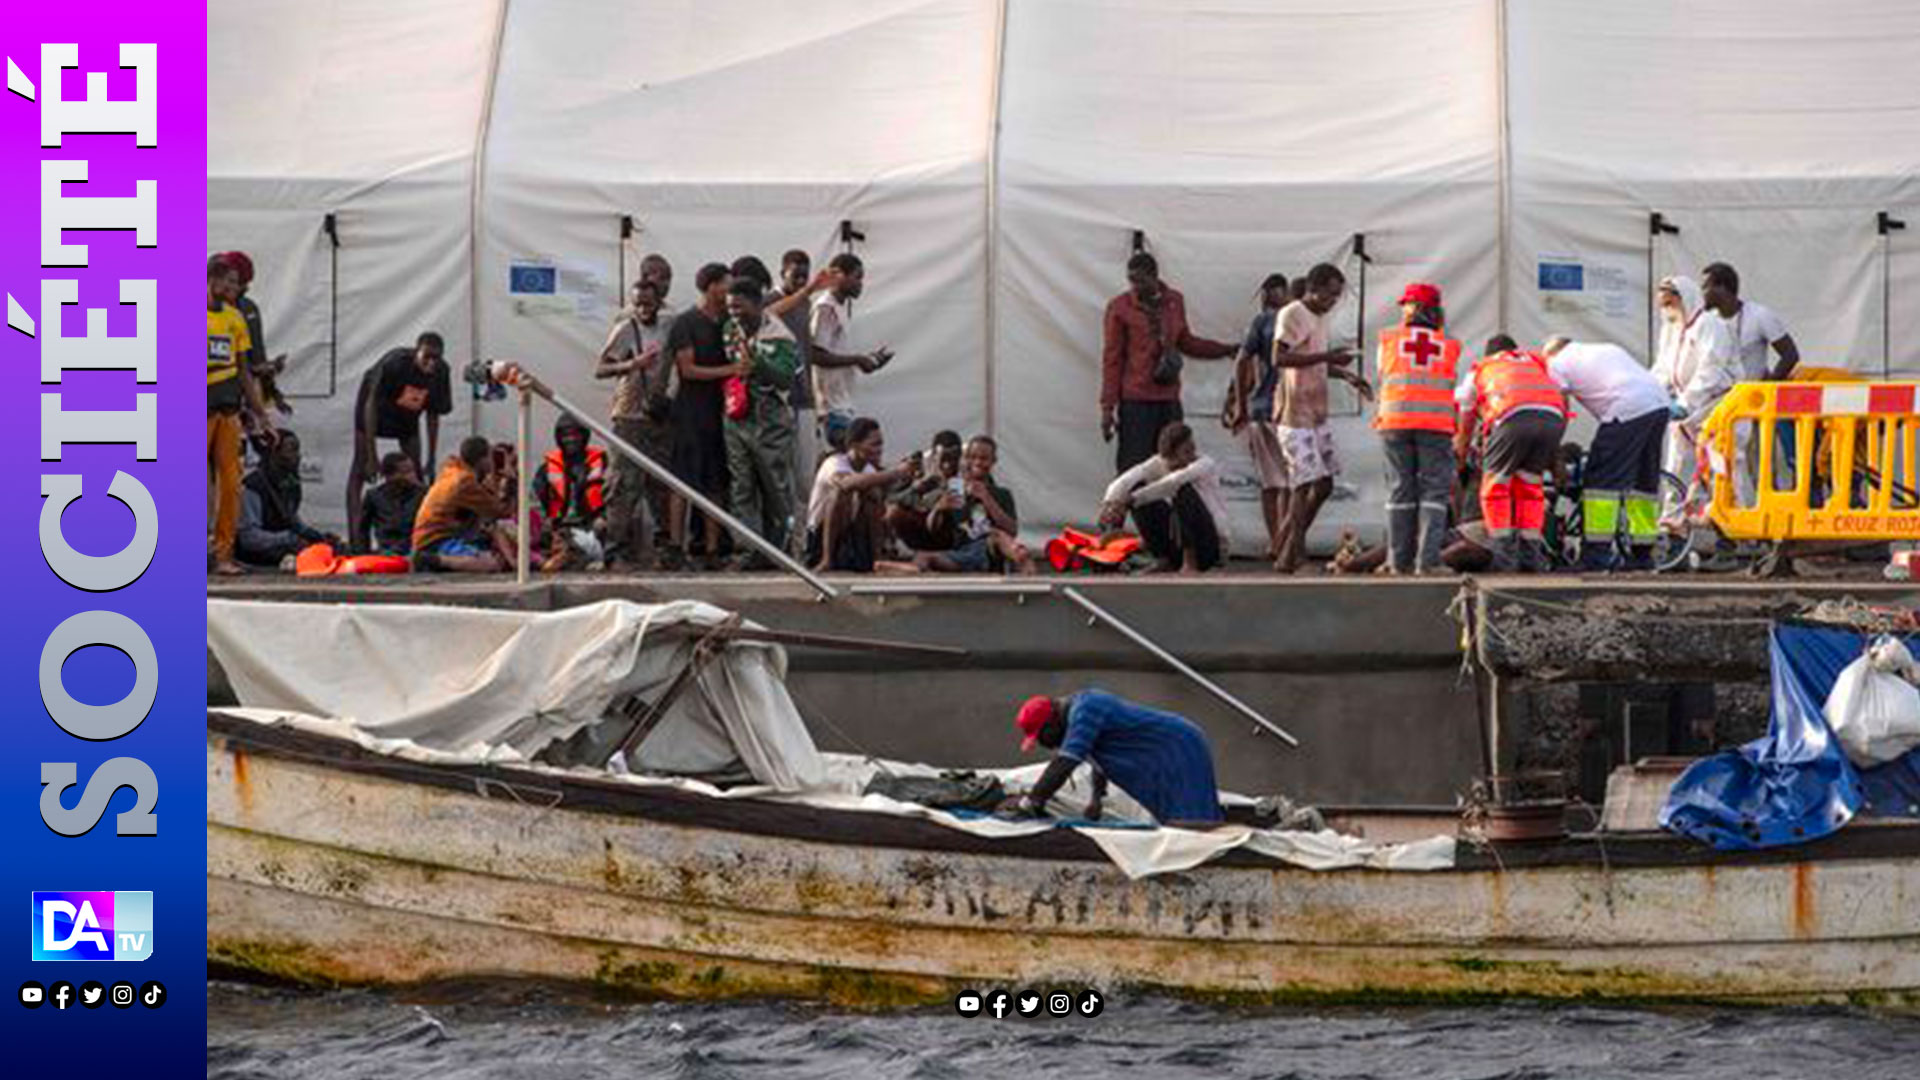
(1177, 664)
(529, 385)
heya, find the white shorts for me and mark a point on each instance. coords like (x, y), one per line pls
(1269, 464)
(1309, 454)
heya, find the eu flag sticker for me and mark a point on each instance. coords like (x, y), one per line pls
(1562, 277)
(533, 279)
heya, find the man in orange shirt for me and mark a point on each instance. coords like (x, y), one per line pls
(460, 525)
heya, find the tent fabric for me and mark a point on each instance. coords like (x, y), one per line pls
(1125, 833)
(465, 679)
(1796, 784)
(999, 156)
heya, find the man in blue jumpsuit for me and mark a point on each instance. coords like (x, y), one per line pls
(1160, 759)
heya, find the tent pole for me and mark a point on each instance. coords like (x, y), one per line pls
(523, 513)
(993, 209)
(1505, 260)
(477, 189)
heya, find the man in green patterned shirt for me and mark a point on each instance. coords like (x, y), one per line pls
(760, 435)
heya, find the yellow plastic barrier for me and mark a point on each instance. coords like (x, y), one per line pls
(1846, 471)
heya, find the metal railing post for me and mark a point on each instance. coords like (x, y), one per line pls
(517, 376)
(523, 461)
(1177, 664)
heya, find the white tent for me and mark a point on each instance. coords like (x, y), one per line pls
(999, 155)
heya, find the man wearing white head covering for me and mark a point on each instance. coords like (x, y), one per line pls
(1697, 364)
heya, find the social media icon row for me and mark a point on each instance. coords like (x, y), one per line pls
(92, 995)
(1029, 1004)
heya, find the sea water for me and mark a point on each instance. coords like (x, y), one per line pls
(518, 1031)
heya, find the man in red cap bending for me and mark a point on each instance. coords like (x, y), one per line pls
(1418, 364)
(1160, 759)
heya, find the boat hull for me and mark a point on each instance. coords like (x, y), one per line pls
(326, 865)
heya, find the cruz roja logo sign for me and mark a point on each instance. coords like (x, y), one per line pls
(92, 925)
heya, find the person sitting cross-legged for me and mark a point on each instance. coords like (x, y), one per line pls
(388, 510)
(910, 516)
(1176, 503)
(271, 529)
(461, 525)
(982, 514)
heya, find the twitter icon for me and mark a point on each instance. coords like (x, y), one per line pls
(1029, 1003)
(92, 994)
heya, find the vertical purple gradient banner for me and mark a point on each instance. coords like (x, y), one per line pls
(168, 601)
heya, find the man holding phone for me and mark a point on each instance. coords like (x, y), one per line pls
(642, 410)
(833, 368)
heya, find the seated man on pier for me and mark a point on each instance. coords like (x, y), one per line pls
(461, 525)
(1176, 503)
(570, 490)
(1162, 760)
(271, 528)
(982, 517)
(846, 529)
(910, 507)
(387, 511)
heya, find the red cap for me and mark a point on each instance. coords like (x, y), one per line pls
(1034, 715)
(239, 261)
(1421, 293)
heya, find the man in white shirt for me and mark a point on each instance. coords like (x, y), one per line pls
(832, 366)
(1756, 329)
(1620, 499)
(845, 527)
(1176, 503)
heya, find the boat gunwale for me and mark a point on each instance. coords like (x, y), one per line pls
(853, 828)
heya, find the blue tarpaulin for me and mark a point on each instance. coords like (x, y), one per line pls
(1795, 784)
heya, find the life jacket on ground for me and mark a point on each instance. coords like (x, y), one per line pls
(1515, 380)
(1076, 550)
(1417, 372)
(320, 560)
(556, 470)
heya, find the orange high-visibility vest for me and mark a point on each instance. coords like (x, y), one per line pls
(1515, 380)
(1417, 370)
(557, 481)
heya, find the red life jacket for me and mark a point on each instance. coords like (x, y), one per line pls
(556, 469)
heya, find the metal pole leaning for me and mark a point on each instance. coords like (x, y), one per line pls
(523, 514)
(1177, 664)
(518, 376)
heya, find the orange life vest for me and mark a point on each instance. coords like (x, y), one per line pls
(1515, 380)
(1417, 370)
(556, 467)
(1076, 550)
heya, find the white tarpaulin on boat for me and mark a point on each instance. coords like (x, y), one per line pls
(477, 681)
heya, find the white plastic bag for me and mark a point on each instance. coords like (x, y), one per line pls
(1874, 709)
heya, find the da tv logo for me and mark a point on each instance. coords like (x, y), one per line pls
(92, 925)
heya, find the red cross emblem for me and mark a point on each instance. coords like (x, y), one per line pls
(1418, 348)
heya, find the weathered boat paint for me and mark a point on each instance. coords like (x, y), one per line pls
(322, 874)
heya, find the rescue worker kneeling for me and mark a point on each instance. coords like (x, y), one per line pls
(1514, 403)
(570, 488)
(1416, 425)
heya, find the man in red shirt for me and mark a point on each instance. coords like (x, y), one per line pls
(1146, 334)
